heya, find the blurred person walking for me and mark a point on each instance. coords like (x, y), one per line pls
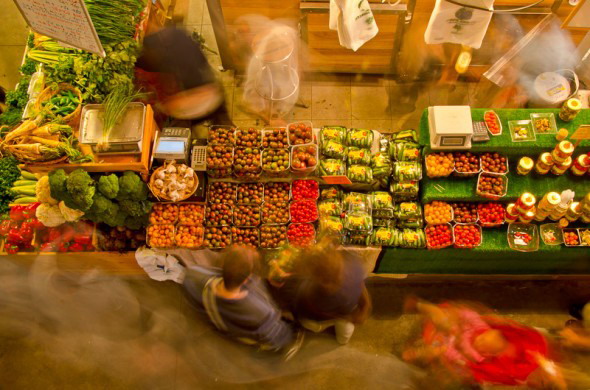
(236, 302)
(325, 288)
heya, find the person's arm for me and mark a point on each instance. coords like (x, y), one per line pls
(576, 340)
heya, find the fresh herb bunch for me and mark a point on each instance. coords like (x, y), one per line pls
(19, 97)
(28, 67)
(10, 173)
(114, 21)
(114, 107)
(93, 75)
(11, 117)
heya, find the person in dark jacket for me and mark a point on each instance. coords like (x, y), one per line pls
(237, 303)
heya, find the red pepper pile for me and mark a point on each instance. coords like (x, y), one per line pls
(74, 237)
(20, 228)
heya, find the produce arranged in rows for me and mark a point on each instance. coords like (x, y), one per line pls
(177, 225)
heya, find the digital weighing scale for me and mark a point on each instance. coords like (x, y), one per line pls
(173, 143)
(450, 127)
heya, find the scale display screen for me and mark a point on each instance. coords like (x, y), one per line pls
(452, 141)
(170, 147)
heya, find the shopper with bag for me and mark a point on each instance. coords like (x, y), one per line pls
(237, 303)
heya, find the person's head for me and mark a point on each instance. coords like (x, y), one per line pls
(323, 264)
(238, 265)
(490, 343)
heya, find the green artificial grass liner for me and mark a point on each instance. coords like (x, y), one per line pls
(463, 189)
(503, 143)
(492, 257)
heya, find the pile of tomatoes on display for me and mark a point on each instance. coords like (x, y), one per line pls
(491, 214)
(439, 236)
(467, 236)
(305, 189)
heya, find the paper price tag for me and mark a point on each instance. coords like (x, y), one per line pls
(336, 179)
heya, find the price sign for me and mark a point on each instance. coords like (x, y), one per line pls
(67, 21)
(582, 133)
(336, 179)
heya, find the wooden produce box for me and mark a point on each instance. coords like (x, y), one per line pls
(139, 163)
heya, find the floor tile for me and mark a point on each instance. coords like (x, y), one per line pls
(373, 124)
(370, 102)
(317, 123)
(195, 12)
(9, 63)
(13, 28)
(226, 77)
(367, 80)
(240, 110)
(209, 36)
(299, 112)
(330, 102)
(328, 79)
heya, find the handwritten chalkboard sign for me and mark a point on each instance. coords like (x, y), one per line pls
(67, 21)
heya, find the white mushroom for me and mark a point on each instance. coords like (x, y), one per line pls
(159, 183)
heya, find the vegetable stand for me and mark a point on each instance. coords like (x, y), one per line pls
(494, 255)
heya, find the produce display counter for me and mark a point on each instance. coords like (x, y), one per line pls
(494, 255)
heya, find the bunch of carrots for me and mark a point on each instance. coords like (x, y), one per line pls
(32, 142)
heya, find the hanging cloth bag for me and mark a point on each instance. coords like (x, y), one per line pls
(354, 21)
(454, 23)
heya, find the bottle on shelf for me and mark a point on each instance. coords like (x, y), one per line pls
(562, 151)
(581, 165)
(567, 197)
(525, 165)
(544, 163)
(570, 109)
(559, 169)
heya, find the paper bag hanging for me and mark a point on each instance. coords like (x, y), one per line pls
(354, 21)
(453, 23)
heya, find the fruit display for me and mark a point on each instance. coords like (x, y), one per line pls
(329, 207)
(222, 135)
(439, 164)
(219, 160)
(304, 157)
(493, 123)
(439, 236)
(551, 234)
(301, 234)
(333, 133)
(354, 198)
(275, 138)
(466, 163)
(248, 138)
(246, 215)
(246, 236)
(467, 236)
(358, 220)
(491, 214)
(408, 210)
(544, 123)
(304, 211)
(250, 193)
(330, 192)
(404, 151)
(571, 237)
(300, 133)
(217, 237)
(221, 192)
(332, 225)
(164, 213)
(381, 165)
(191, 214)
(407, 171)
(464, 212)
(381, 200)
(412, 223)
(404, 190)
(492, 186)
(273, 236)
(119, 239)
(332, 167)
(359, 156)
(521, 131)
(437, 212)
(218, 215)
(334, 149)
(360, 174)
(189, 236)
(160, 236)
(277, 192)
(405, 136)
(494, 163)
(305, 189)
(412, 238)
(175, 182)
(275, 161)
(361, 138)
(385, 236)
(357, 238)
(247, 163)
(275, 213)
(69, 237)
(584, 237)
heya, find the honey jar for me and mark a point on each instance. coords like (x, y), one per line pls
(544, 163)
(559, 169)
(581, 165)
(525, 165)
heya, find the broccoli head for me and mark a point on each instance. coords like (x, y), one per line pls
(115, 218)
(81, 188)
(135, 223)
(57, 185)
(131, 187)
(108, 185)
(100, 205)
(134, 208)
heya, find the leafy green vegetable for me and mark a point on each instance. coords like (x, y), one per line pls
(109, 186)
(10, 173)
(11, 117)
(135, 209)
(57, 185)
(28, 67)
(114, 107)
(19, 97)
(131, 187)
(114, 21)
